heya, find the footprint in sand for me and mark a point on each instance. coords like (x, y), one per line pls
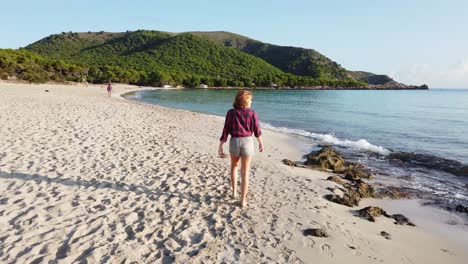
(326, 249)
(308, 242)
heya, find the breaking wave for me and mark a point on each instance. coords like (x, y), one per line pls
(360, 144)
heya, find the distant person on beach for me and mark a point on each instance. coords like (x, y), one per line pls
(241, 122)
(84, 82)
(109, 89)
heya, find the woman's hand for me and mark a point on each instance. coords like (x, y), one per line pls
(220, 150)
(260, 144)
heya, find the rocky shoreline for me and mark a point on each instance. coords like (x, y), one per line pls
(351, 186)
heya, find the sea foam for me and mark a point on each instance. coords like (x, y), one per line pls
(361, 144)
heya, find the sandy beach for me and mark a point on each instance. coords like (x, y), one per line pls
(88, 178)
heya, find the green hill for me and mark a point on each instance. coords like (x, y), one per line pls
(29, 66)
(297, 61)
(300, 61)
(154, 58)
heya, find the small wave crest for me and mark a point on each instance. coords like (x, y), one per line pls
(360, 144)
(137, 95)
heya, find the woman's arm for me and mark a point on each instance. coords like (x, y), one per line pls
(224, 135)
(257, 131)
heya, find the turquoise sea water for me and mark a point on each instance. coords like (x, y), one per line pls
(365, 125)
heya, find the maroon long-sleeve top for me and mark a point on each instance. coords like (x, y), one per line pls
(241, 123)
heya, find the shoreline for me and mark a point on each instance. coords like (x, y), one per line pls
(302, 88)
(146, 179)
(300, 147)
(416, 204)
(287, 88)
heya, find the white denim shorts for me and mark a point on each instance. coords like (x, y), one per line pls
(242, 146)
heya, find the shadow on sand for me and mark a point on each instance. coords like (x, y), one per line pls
(152, 194)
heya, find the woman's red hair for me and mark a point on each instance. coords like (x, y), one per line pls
(242, 99)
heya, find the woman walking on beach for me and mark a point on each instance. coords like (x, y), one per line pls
(241, 122)
(109, 89)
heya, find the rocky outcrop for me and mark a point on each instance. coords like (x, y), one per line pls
(326, 158)
(371, 212)
(429, 161)
(289, 163)
(401, 220)
(386, 235)
(353, 193)
(337, 179)
(329, 159)
(363, 189)
(462, 171)
(461, 209)
(354, 187)
(356, 171)
(395, 193)
(348, 199)
(380, 81)
(397, 86)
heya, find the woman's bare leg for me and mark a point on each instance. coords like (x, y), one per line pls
(234, 166)
(245, 170)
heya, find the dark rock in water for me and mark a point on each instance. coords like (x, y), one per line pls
(461, 209)
(463, 171)
(401, 220)
(336, 179)
(386, 235)
(326, 158)
(329, 159)
(429, 161)
(371, 212)
(317, 232)
(356, 171)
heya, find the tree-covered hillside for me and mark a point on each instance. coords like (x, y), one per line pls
(32, 67)
(298, 61)
(294, 60)
(154, 58)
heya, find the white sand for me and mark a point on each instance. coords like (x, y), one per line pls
(87, 177)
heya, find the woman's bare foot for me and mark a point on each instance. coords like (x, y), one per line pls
(243, 204)
(234, 195)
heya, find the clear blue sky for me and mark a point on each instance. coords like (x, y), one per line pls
(414, 41)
